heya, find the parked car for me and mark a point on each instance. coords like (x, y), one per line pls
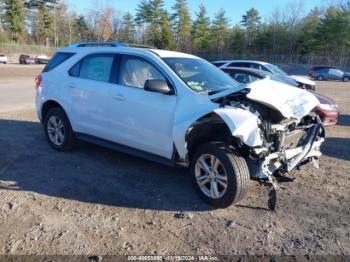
(331, 74)
(3, 58)
(316, 68)
(42, 59)
(178, 109)
(26, 59)
(327, 109)
(273, 69)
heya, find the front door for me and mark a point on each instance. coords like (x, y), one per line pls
(141, 119)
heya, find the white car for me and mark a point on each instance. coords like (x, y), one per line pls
(273, 69)
(3, 58)
(178, 109)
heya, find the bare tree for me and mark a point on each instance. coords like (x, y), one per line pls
(293, 15)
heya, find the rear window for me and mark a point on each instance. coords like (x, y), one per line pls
(57, 59)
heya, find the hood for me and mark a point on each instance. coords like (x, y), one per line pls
(290, 101)
(303, 80)
(323, 99)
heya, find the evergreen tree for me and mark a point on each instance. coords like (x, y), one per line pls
(181, 22)
(45, 25)
(333, 32)
(201, 30)
(308, 41)
(149, 12)
(82, 28)
(251, 21)
(167, 38)
(14, 18)
(128, 28)
(220, 31)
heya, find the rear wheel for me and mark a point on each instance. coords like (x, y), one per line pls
(346, 79)
(320, 78)
(220, 175)
(58, 130)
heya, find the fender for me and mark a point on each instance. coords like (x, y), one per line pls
(242, 124)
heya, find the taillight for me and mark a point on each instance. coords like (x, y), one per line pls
(37, 81)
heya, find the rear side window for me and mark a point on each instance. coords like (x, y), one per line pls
(57, 59)
(238, 64)
(94, 67)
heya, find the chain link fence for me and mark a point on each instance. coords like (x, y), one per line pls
(12, 48)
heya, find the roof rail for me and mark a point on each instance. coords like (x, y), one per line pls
(140, 46)
(101, 44)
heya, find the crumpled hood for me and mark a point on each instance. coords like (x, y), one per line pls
(292, 102)
(303, 80)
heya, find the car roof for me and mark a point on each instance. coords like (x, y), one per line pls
(246, 69)
(124, 48)
(242, 61)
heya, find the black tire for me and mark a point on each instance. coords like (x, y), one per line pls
(68, 141)
(236, 171)
(346, 79)
(320, 78)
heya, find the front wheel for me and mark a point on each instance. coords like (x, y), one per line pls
(346, 79)
(220, 175)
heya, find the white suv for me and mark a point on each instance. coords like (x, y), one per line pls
(178, 109)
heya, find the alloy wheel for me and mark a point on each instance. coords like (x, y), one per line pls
(211, 176)
(55, 130)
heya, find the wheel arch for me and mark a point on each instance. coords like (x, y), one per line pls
(210, 127)
(49, 104)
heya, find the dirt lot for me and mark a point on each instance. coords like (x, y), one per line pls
(96, 201)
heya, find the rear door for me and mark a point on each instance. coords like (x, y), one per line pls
(90, 92)
(141, 119)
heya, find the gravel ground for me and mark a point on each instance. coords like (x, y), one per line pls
(96, 201)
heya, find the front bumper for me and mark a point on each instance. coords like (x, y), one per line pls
(289, 159)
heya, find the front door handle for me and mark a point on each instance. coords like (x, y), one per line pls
(118, 97)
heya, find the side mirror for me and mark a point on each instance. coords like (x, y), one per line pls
(159, 86)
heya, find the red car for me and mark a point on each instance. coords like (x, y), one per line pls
(327, 110)
(26, 59)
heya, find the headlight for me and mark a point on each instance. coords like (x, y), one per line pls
(328, 107)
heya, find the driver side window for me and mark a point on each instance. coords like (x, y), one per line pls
(136, 71)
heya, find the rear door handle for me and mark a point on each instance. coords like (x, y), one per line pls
(71, 86)
(118, 97)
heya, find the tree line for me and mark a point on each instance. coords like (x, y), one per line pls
(323, 31)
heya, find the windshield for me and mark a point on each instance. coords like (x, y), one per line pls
(276, 69)
(200, 75)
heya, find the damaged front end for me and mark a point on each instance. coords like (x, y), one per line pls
(283, 132)
(286, 147)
